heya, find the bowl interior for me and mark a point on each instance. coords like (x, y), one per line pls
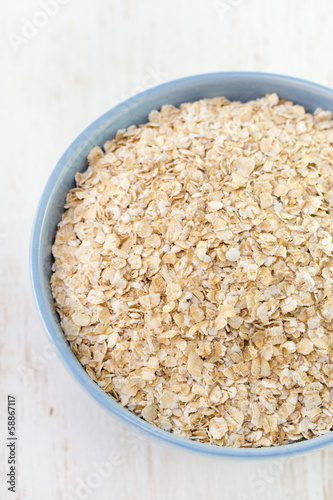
(235, 86)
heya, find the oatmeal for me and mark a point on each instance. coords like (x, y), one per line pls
(193, 270)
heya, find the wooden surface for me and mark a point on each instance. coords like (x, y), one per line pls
(86, 57)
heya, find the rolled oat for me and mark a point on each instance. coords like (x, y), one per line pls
(193, 270)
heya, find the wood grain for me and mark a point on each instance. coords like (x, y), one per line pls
(86, 57)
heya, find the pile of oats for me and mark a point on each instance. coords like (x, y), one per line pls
(193, 270)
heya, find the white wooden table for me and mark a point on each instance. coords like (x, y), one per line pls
(61, 67)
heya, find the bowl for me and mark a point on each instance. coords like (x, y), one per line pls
(241, 86)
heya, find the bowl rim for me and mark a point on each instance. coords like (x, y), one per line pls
(62, 347)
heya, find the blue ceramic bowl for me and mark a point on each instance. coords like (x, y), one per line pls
(235, 86)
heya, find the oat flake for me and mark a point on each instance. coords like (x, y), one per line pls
(193, 270)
